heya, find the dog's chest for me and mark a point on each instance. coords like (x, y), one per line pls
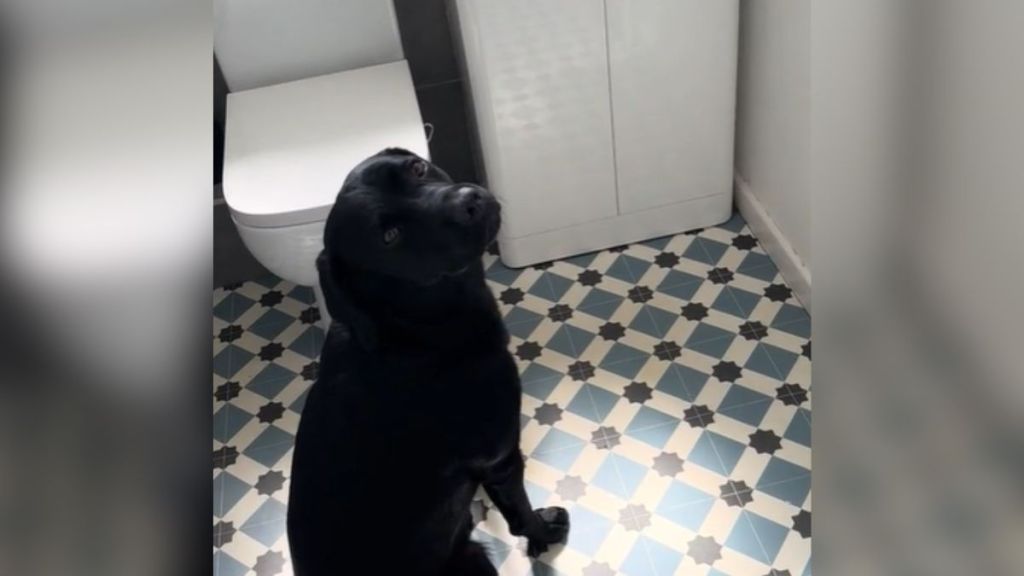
(470, 408)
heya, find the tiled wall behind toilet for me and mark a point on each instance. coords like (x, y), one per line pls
(428, 46)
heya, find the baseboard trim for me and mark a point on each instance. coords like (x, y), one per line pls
(774, 242)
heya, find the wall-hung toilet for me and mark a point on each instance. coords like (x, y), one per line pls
(316, 88)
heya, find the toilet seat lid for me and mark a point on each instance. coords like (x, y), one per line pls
(289, 147)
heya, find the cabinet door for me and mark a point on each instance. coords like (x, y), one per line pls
(538, 73)
(673, 86)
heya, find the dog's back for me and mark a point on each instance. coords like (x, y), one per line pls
(380, 475)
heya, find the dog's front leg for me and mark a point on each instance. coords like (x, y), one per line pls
(503, 483)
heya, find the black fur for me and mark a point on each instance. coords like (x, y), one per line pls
(418, 399)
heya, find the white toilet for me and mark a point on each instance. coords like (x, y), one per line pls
(316, 88)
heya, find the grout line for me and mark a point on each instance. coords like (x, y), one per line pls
(593, 403)
(778, 372)
(757, 536)
(611, 109)
(647, 552)
(436, 84)
(722, 463)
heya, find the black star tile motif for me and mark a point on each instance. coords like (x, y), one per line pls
(311, 371)
(704, 550)
(581, 370)
(310, 315)
(611, 331)
(269, 563)
(271, 298)
(478, 509)
(667, 350)
(695, 311)
(270, 482)
(668, 464)
(528, 351)
(619, 249)
(802, 524)
(778, 292)
(271, 351)
(744, 242)
(634, 517)
(230, 333)
(753, 330)
(791, 394)
(605, 438)
(511, 296)
(570, 488)
(589, 278)
(560, 313)
(720, 275)
(270, 412)
(227, 391)
(542, 266)
(233, 286)
(640, 294)
(698, 416)
(223, 532)
(598, 569)
(225, 456)
(765, 441)
(666, 259)
(547, 413)
(726, 371)
(637, 392)
(736, 493)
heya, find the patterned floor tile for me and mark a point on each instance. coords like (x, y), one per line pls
(667, 405)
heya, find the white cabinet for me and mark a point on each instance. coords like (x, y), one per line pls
(602, 122)
(673, 85)
(540, 81)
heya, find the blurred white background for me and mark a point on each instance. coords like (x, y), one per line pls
(913, 168)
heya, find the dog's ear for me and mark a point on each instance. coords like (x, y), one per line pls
(341, 307)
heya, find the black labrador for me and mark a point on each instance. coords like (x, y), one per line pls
(417, 402)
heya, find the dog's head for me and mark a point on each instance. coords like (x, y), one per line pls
(399, 215)
(401, 221)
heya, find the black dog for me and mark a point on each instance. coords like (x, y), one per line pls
(417, 403)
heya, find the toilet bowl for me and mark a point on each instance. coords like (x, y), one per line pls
(315, 88)
(289, 146)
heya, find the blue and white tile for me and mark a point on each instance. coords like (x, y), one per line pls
(257, 411)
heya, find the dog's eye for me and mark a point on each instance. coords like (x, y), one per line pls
(391, 235)
(419, 168)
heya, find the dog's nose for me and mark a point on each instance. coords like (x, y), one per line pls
(468, 204)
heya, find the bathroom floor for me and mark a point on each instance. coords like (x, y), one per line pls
(667, 405)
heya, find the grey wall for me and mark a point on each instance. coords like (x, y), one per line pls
(427, 42)
(428, 46)
(773, 132)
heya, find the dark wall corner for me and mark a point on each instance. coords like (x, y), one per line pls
(220, 98)
(429, 46)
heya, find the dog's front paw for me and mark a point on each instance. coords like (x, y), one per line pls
(554, 530)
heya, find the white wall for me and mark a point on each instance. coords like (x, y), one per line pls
(773, 116)
(916, 161)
